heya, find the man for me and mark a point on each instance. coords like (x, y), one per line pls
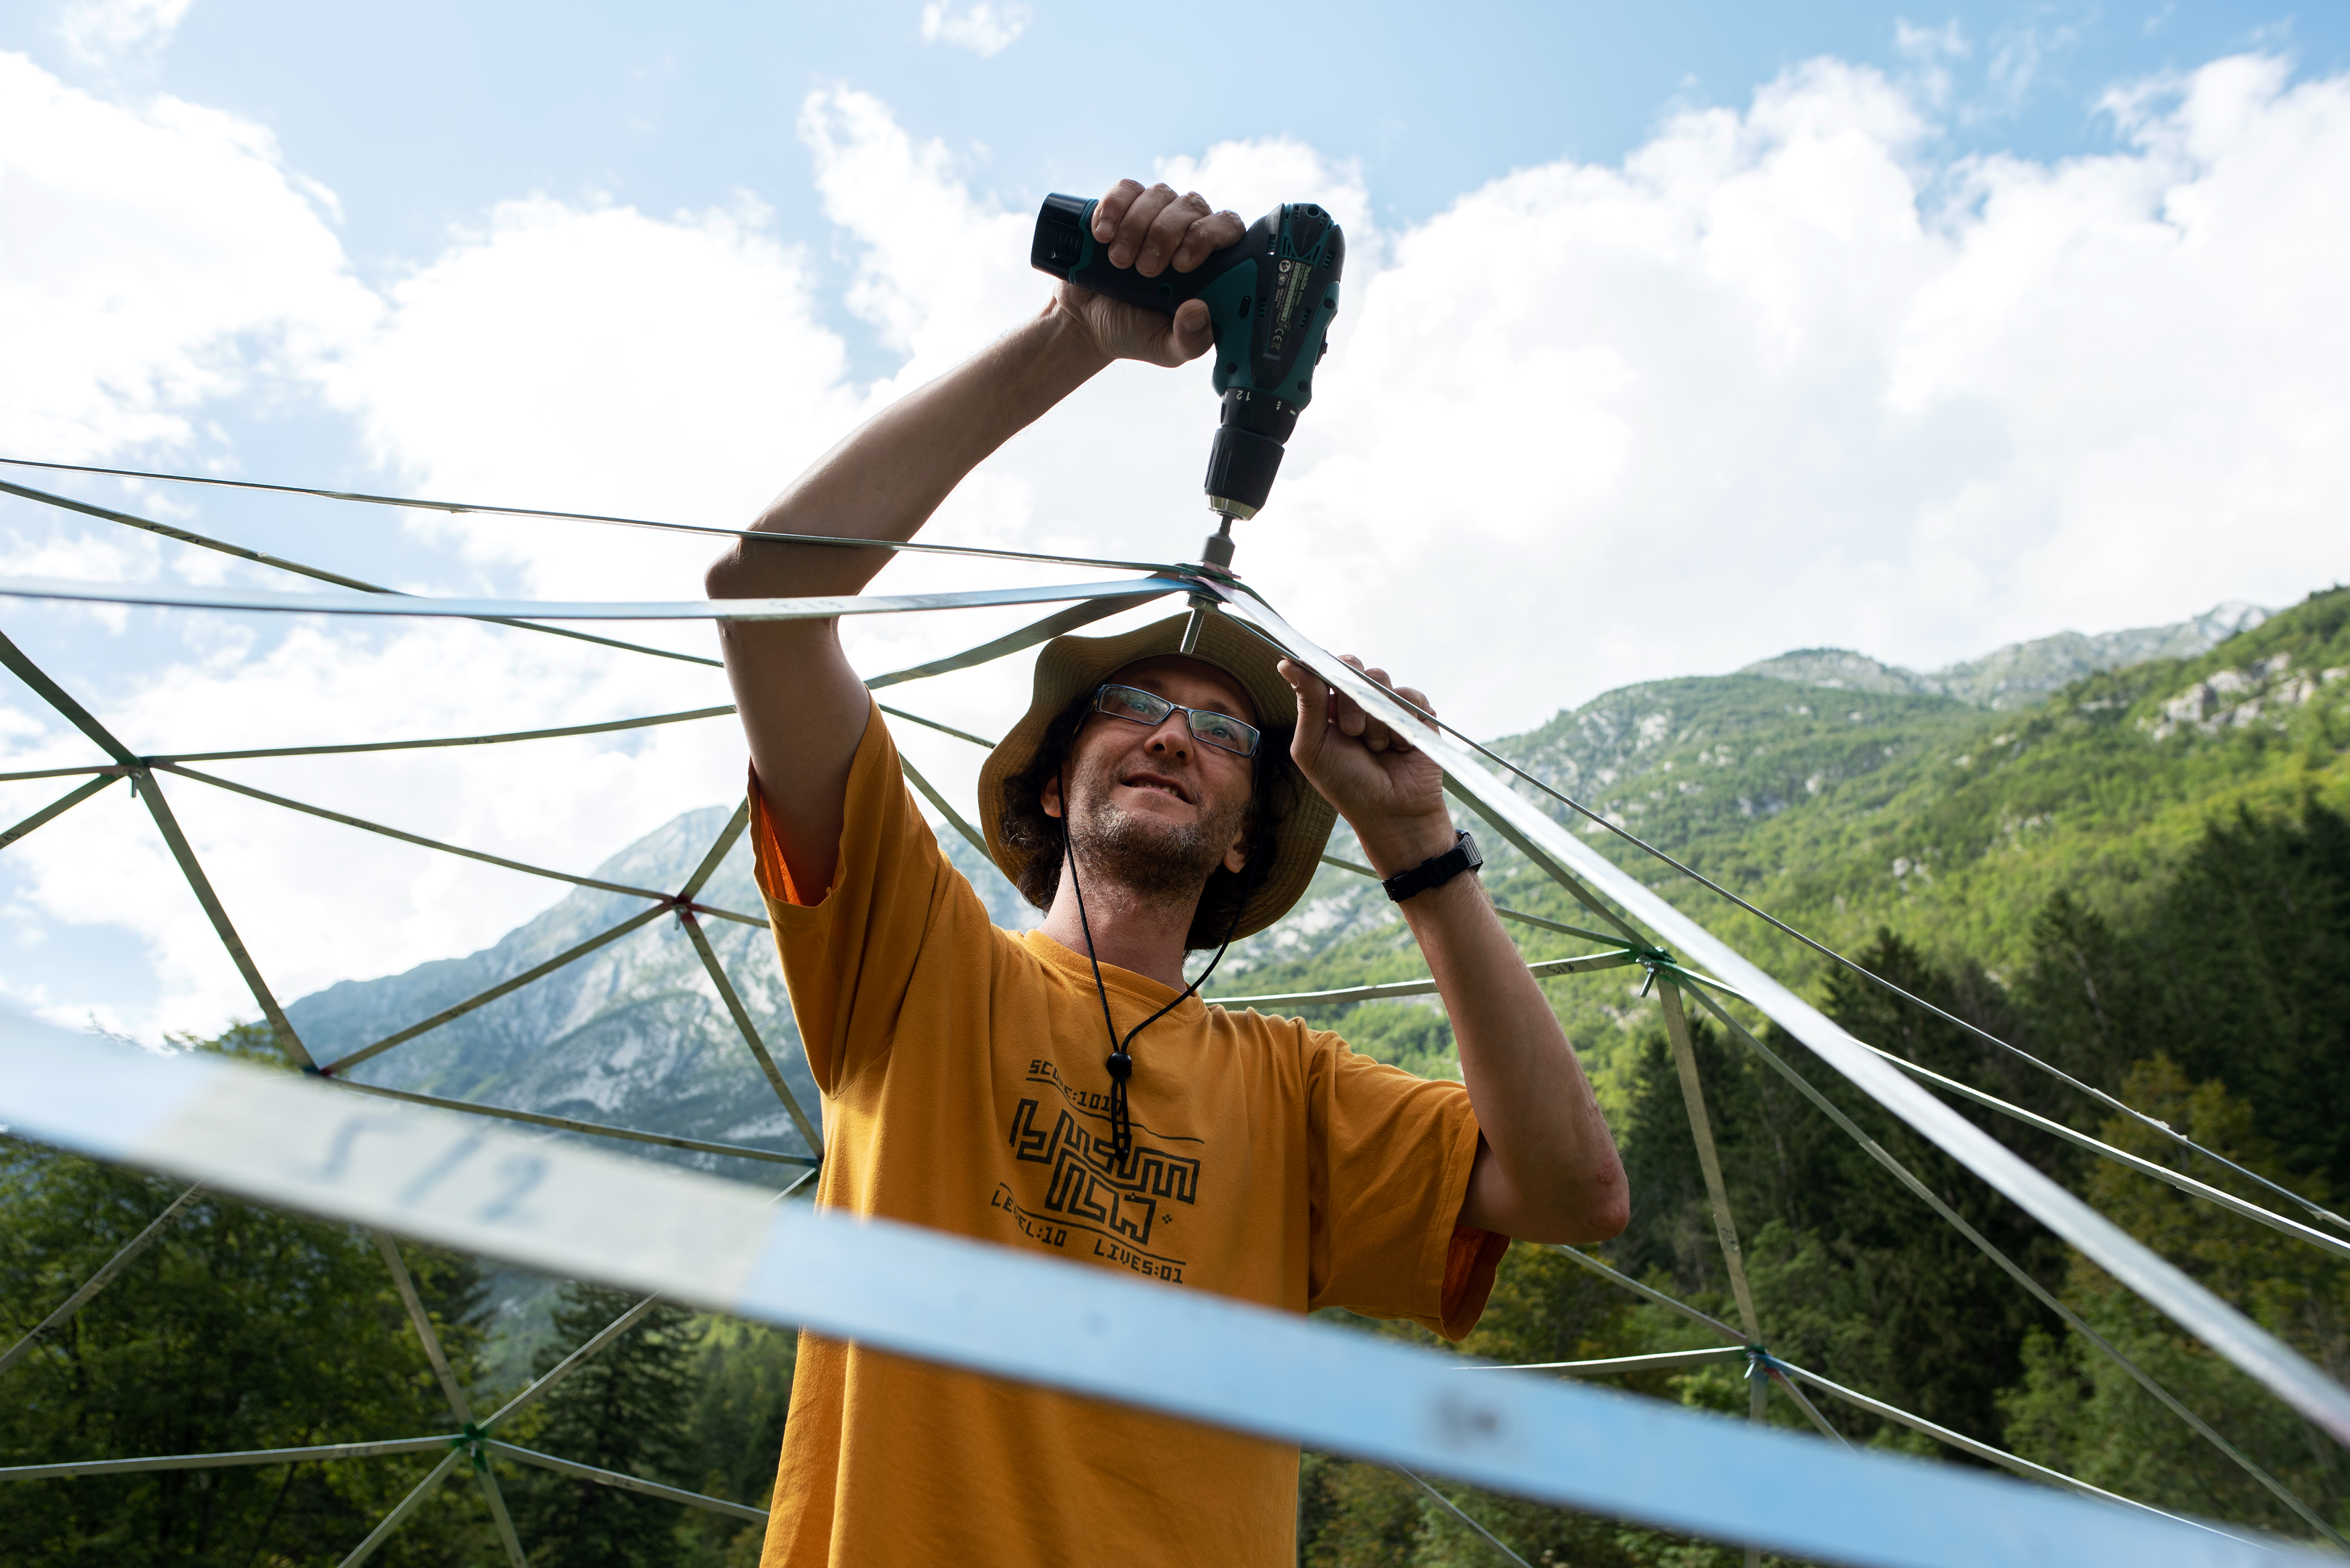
(1061, 1089)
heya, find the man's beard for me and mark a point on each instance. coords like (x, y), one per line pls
(1147, 861)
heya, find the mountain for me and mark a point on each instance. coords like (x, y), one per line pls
(2021, 673)
(1836, 790)
(1850, 800)
(1843, 808)
(632, 1035)
(1694, 765)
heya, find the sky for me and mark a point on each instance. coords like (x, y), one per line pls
(1673, 337)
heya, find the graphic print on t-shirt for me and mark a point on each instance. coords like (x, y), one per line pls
(1088, 1196)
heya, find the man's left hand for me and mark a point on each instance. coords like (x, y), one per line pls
(1389, 791)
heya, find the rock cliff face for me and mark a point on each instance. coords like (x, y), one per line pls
(2021, 673)
(633, 1035)
(1668, 759)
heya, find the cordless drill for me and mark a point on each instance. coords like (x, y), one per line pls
(1271, 298)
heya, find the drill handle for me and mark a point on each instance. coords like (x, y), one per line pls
(1065, 246)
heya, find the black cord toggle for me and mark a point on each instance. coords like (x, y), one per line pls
(1121, 1125)
(1120, 1063)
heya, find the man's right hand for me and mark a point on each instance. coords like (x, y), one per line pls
(803, 710)
(1151, 230)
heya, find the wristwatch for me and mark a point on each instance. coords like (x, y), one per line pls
(1436, 870)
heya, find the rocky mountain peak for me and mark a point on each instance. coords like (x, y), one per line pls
(2021, 673)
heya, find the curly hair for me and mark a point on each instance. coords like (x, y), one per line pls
(1027, 830)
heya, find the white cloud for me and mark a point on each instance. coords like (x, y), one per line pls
(157, 259)
(1753, 390)
(602, 360)
(315, 901)
(947, 269)
(985, 29)
(101, 30)
(1778, 379)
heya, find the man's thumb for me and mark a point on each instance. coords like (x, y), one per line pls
(1193, 334)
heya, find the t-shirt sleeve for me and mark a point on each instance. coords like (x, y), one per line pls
(1393, 1158)
(850, 951)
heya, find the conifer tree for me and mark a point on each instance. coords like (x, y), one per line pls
(626, 1409)
(238, 1328)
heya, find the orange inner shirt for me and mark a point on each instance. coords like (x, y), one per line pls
(961, 1070)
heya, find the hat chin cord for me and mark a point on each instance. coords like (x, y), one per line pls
(1120, 1062)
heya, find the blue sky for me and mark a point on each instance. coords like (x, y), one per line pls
(1678, 335)
(422, 116)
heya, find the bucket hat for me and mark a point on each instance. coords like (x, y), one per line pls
(1071, 667)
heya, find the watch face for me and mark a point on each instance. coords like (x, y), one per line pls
(1469, 845)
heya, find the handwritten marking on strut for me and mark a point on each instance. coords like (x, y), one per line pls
(336, 1163)
(514, 1177)
(520, 1173)
(429, 1177)
(1466, 1423)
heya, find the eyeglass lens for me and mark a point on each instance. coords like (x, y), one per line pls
(1219, 730)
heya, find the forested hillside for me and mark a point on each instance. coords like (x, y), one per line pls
(2143, 877)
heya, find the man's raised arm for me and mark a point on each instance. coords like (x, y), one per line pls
(1546, 1167)
(802, 708)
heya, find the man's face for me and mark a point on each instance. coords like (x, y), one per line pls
(1154, 809)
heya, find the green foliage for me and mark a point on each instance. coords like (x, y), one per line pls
(1852, 1276)
(236, 1329)
(1413, 1036)
(742, 1376)
(2076, 1410)
(626, 1410)
(243, 1329)
(2242, 963)
(695, 1402)
(2100, 792)
(2145, 881)
(1542, 1308)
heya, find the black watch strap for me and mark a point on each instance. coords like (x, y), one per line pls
(1436, 870)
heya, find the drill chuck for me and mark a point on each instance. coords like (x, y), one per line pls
(1242, 462)
(1270, 300)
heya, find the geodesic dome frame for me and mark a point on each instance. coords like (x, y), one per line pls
(47, 1098)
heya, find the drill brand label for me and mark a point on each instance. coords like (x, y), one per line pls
(1295, 294)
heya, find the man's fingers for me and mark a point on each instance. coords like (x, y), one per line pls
(1167, 231)
(1353, 721)
(1206, 237)
(1111, 209)
(1419, 698)
(1351, 718)
(1135, 224)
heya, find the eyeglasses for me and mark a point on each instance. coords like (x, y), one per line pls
(1220, 731)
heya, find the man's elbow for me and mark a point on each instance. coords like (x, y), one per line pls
(1605, 1216)
(724, 579)
(1593, 1210)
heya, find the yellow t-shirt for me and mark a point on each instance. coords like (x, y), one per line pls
(961, 1070)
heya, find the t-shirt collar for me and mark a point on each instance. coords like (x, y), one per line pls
(1140, 989)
